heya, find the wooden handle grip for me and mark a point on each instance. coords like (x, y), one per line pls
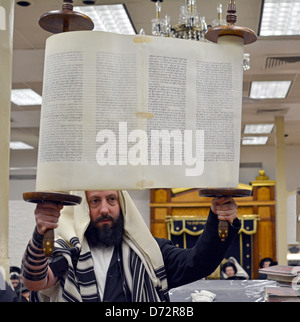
(219, 192)
(57, 198)
(48, 242)
(223, 229)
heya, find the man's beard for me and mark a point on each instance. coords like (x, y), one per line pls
(106, 235)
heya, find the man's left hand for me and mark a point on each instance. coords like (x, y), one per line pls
(225, 208)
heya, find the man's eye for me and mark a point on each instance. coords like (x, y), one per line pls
(112, 200)
(94, 202)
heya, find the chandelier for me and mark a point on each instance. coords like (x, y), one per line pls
(190, 24)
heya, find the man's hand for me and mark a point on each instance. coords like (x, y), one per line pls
(46, 216)
(225, 208)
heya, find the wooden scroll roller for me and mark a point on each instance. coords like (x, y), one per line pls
(249, 37)
(58, 199)
(224, 192)
(56, 22)
(230, 29)
(65, 20)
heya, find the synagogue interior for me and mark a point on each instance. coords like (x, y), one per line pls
(266, 134)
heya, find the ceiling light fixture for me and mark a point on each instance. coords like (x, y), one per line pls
(23, 3)
(280, 17)
(190, 24)
(255, 140)
(25, 97)
(111, 18)
(19, 145)
(258, 128)
(269, 89)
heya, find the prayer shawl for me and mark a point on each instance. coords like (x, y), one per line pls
(142, 259)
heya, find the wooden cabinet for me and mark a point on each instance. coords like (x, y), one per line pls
(264, 205)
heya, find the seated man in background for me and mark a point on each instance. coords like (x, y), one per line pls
(265, 262)
(105, 251)
(232, 270)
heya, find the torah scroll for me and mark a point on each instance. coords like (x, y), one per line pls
(135, 112)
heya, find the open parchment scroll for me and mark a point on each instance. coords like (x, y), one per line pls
(134, 112)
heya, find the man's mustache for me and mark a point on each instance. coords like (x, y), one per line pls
(103, 218)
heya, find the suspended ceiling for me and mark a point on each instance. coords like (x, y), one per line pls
(272, 58)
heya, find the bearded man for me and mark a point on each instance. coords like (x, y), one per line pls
(104, 251)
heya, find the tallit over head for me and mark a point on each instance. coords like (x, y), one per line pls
(74, 221)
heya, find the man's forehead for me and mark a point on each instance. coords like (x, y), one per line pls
(101, 193)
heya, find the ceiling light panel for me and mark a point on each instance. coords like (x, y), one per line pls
(25, 97)
(258, 128)
(19, 145)
(111, 18)
(255, 140)
(269, 89)
(280, 18)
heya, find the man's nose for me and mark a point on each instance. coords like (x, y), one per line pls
(104, 210)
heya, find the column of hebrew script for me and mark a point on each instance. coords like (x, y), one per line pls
(61, 137)
(166, 100)
(218, 122)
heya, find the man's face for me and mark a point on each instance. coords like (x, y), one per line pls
(266, 264)
(14, 283)
(229, 271)
(106, 226)
(104, 207)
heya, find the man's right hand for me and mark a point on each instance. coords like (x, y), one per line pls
(46, 216)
